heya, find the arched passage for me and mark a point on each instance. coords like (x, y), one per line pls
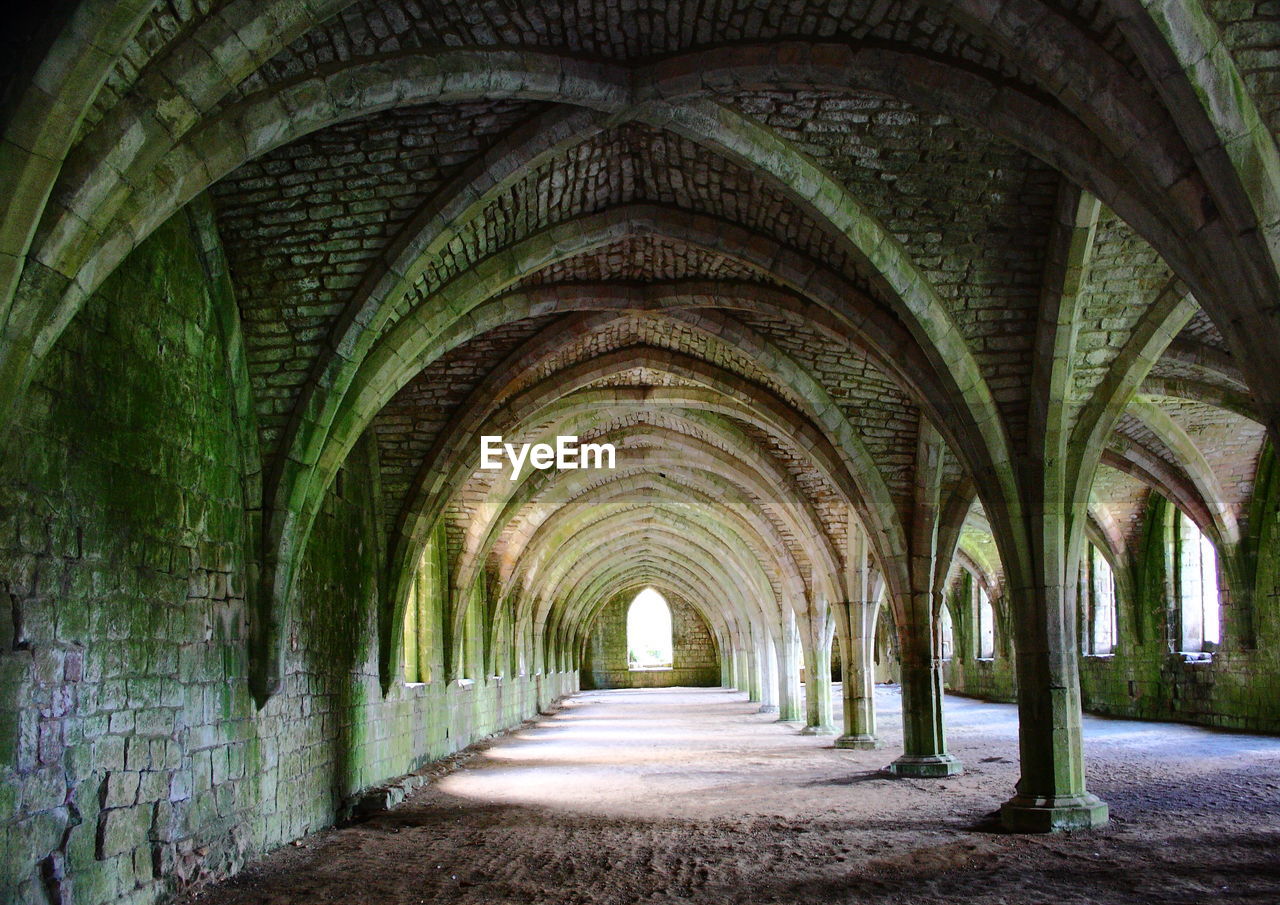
(938, 335)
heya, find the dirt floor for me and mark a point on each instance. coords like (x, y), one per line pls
(689, 795)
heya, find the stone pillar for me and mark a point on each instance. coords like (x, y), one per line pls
(1051, 794)
(1043, 559)
(855, 629)
(924, 743)
(768, 665)
(789, 704)
(752, 663)
(817, 670)
(817, 688)
(545, 685)
(741, 678)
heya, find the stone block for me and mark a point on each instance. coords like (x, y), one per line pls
(121, 830)
(44, 789)
(120, 789)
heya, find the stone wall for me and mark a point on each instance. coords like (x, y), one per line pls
(132, 757)
(695, 657)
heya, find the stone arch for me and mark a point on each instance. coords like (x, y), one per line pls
(387, 360)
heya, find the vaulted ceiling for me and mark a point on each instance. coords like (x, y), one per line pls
(796, 260)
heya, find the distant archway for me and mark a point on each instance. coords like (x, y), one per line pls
(649, 632)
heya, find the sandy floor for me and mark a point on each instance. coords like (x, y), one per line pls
(689, 795)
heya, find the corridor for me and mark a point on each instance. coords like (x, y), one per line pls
(691, 795)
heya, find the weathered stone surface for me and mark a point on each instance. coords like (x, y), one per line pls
(833, 277)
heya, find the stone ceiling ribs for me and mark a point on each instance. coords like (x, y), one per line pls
(850, 285)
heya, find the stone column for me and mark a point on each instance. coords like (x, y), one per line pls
(855, 629)
(729, 676)
(1042, 561)
(1051, 794)
(741, 675)
(817, 690)
(768, 665)
(789, 704)
(924, 744)
(755, 685)
(817, 668)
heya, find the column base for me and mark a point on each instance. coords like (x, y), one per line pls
(819, 730)
(1027, 814)
(925, 765)
(860, 742)
(768, 708)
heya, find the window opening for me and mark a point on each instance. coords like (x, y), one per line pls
(420, 617)
(986, 625)
(1100, 602)
(649, 632)
(1198, 588)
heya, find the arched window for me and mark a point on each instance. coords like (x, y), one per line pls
(946, 636)
(986, 624)
(1197, 575)
(416, 669)
(1098, 594)
(422, 618)
(472, 649)
(649, 632)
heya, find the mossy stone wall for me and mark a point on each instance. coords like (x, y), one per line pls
(132, 756)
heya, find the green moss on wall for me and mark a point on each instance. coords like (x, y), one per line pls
(132, 756)
(1147, 677)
